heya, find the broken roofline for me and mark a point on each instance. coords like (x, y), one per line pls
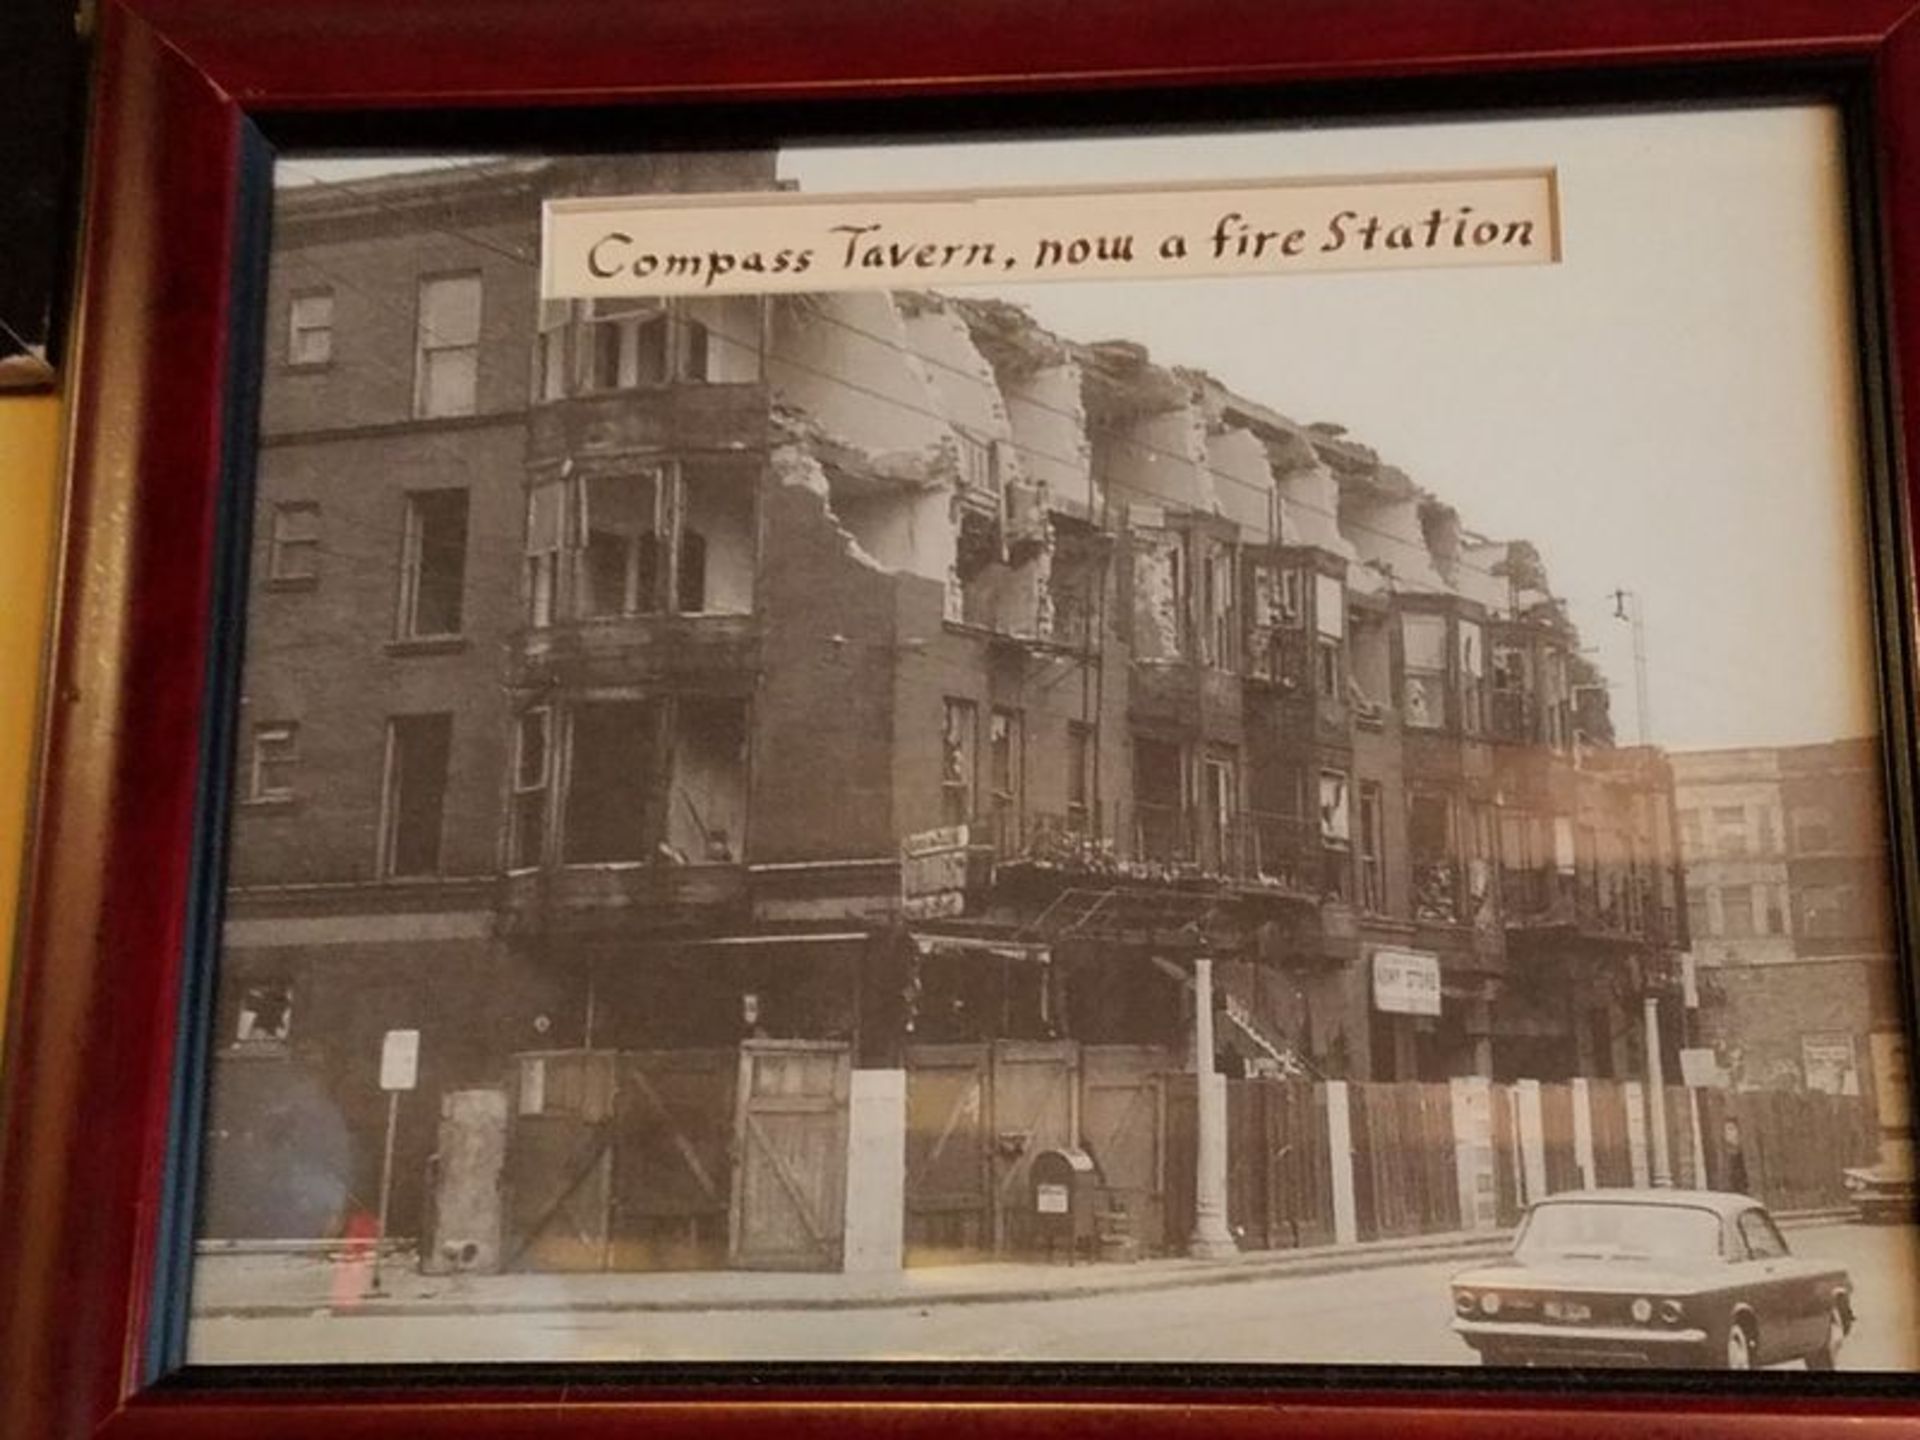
(1012, 341)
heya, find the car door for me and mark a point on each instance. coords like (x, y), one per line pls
(1781, 1292)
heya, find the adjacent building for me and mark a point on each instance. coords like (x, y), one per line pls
(1789, 894)
(675, 711)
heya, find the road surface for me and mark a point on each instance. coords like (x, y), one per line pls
(1397, 1315)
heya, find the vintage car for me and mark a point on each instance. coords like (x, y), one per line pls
(1884, 1190)
(1668, 1278)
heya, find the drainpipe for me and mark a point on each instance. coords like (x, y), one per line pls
(1211, 1240)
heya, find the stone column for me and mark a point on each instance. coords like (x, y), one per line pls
(1657, 1098)
(1211, 1239)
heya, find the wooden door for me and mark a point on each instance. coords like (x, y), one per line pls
(949, 1195)
(789, 1187)
(1034, 1109)
(1122, 1126)
(673, 1159)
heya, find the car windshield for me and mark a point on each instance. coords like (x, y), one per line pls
(1616, 1231)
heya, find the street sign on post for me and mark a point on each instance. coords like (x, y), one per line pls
(933, 873)
(399, 1071)
(400, 1060)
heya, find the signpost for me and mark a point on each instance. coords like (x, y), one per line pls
(399, 1071)
(933, 873)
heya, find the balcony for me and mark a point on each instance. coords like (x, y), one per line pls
(1143, 843)
(585, 900)
(1613, 904)
(664, 418)
(639, 649)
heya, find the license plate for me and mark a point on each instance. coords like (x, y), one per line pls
(1568, 1310)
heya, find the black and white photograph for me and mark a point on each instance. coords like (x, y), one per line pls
(1250, 745)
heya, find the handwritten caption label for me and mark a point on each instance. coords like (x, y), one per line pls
(770, 243)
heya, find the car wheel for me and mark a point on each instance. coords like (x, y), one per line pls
(1828, 1354)
(1740, 1346)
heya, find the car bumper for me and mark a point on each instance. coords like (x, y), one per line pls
(1520, 1343)
(1883, 1204)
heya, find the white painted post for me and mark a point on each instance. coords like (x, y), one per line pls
(1636, 1100)
(1657, 1097)
(1533, 1139)
(875, 1229)
(1346, 1215)
(1211, 1239)
(1473, 1151)
(1583, 1133)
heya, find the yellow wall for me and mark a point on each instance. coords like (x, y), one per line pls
(29, 472)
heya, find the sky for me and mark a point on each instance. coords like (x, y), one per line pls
(1672, 410)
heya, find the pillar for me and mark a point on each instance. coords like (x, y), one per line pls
(1472, 1097)
(876, 1212)
(1532, 1129)
(1583, 1133)
(1211, 1239)
(1346, 1213)
(1636, 1099)
(1657, 1097)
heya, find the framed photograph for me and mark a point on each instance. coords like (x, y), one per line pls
(867, 720)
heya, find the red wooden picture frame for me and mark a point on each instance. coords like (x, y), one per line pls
(117, 876)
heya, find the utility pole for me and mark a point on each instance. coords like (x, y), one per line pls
(1626, 606)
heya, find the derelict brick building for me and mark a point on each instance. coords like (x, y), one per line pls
(604, 661)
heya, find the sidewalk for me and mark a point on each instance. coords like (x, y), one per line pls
(275, 1281)
(282, 1283)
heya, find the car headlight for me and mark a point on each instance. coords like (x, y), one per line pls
(1463, 1302)
(1641, 1310)
(1672, 1312)
(1490, 1303)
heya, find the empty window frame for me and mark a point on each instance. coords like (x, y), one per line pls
(1431, 857)
(551, 349)
(265, 1013)
(612, 786)
(1004, 774)
(1330, 637)
(1080, 777)
(446, 377)
(293, 543)
(546, 534)
(959, 737)
(1472, 652)
(707, 804)
(1423, 679)
(1220, 779)
(1161, 829)
(310, 328)
(532, 789)
(271, 759)
(1336, 825)
(413, 808)
(621, 521)
(1512, 693)
(623, 343)
(1220, 606)
(627, 565)
(1373, 849)
(433, 564)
